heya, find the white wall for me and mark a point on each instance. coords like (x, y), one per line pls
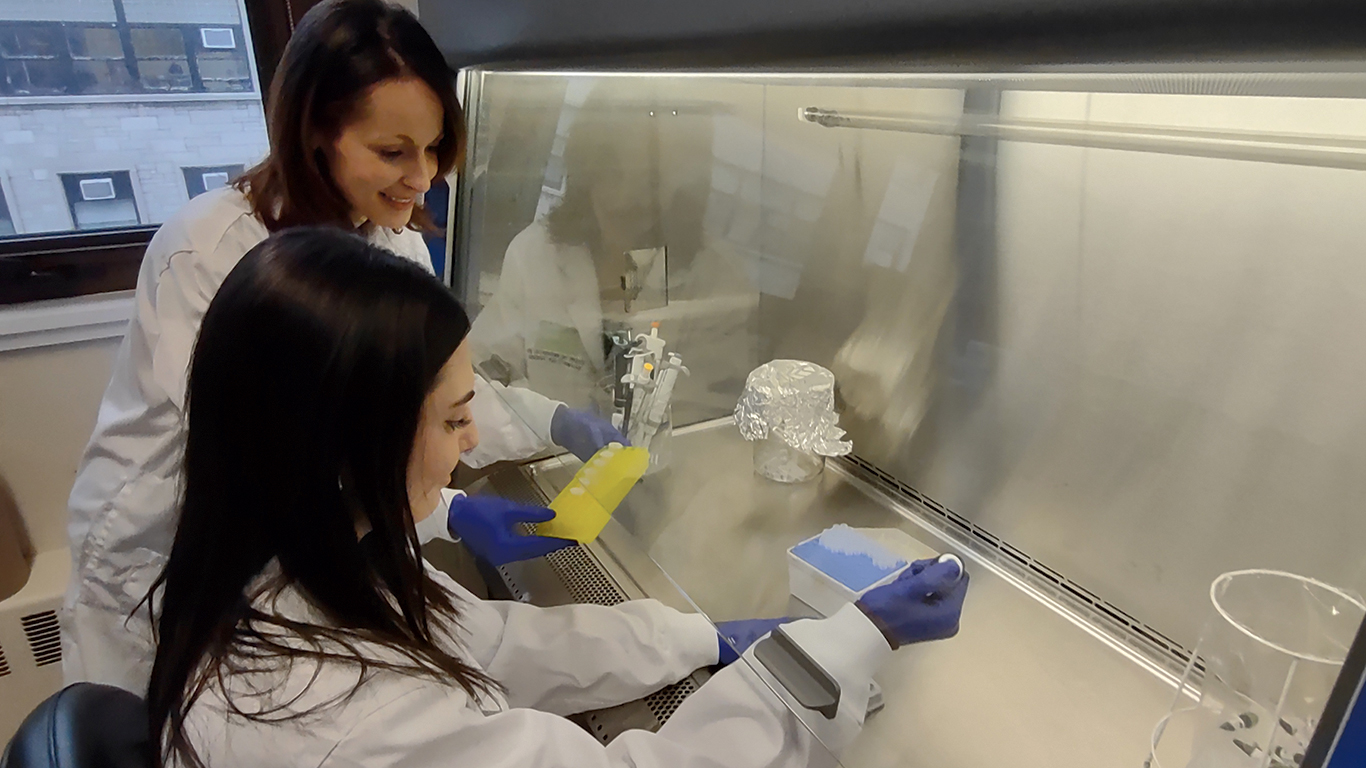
(49, 397)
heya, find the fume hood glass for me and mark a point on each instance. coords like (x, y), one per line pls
(1089, 328)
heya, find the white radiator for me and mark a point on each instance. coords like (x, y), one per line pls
(30, 641)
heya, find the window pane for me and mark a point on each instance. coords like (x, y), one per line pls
(224, 71)
(96, 76)
(37, 77)
(165, 74)
(201, 179)
(33, 40)
(158, 41)
(104, 214)
(94, 42)
(9, 41)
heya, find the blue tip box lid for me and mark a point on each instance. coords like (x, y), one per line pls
(848, 557)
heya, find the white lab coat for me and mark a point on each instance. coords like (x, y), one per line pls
(552, 661)
(546, 320)
(122, 518)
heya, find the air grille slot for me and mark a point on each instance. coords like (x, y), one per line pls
(665, 702)
(44, 637)
(584, 581)
(1158, 646)
(4, 664)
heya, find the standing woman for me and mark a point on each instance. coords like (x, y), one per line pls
(362, 117)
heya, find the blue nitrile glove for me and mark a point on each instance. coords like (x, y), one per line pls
(582, 433)
(924, 603)
(488, 526)
(737, 636)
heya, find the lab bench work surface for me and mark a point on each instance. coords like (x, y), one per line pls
(1022, 685)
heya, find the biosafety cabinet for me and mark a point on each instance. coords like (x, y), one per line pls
(1090, 278)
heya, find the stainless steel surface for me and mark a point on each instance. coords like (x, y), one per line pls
(1026, 683)
(1150, 381)
(1136, 370)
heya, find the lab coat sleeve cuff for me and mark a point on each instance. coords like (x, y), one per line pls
(514, 423)
(699, 634)
(865, 647)
(847, 645)
(443, 514)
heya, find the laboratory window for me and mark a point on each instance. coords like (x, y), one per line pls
(100, 200)
(164, 86)
(201, 179)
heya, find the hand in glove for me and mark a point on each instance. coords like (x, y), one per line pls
(924, 603)
(488, 526)
(582, 433)
(737, 636)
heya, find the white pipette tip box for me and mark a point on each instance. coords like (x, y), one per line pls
(842, 563)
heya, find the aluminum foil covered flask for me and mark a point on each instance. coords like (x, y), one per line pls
(788, 411)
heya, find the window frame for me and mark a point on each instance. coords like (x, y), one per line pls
(66, 265)
(187, 171)
(120, 183)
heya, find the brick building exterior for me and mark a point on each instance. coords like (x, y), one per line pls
(116, 112)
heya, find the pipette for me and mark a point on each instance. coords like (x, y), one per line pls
(656, 404)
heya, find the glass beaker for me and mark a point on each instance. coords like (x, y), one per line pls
(776, 460)
(1261, 674)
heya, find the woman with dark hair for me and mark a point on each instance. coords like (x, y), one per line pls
(362, 117)
(329, 399)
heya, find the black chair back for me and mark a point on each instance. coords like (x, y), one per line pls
(84, 725)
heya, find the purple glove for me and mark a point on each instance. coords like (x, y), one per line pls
(737, 636)
(582, 433)
(488, 526)
(924, 603)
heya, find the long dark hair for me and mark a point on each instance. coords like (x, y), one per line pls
(340, 50)
(305, 393)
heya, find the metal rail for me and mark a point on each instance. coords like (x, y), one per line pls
(1324, 151)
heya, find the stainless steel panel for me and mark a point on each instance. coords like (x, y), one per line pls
(1027, 682)
(1135, 369)
(1155, 379)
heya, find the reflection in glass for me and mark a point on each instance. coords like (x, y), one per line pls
(619, 246)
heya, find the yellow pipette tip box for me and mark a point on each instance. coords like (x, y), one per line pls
(583, 508)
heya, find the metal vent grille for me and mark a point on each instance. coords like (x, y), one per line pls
(4, 664)
(585, 582)
(44, 637)
(664, 703)
(1173, 656)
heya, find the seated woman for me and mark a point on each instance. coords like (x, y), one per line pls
(297, 623)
